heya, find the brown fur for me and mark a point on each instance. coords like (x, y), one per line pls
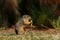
(22, 23)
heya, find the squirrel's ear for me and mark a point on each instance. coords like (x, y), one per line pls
(25, 16)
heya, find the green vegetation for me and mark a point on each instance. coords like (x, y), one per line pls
(43, 14)
(32, 35)
(56, 23)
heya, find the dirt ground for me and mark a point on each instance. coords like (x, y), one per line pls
(12, 30)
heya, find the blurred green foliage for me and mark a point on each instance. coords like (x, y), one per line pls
(40, 14)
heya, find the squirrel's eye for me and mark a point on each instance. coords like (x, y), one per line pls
(30, 19)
